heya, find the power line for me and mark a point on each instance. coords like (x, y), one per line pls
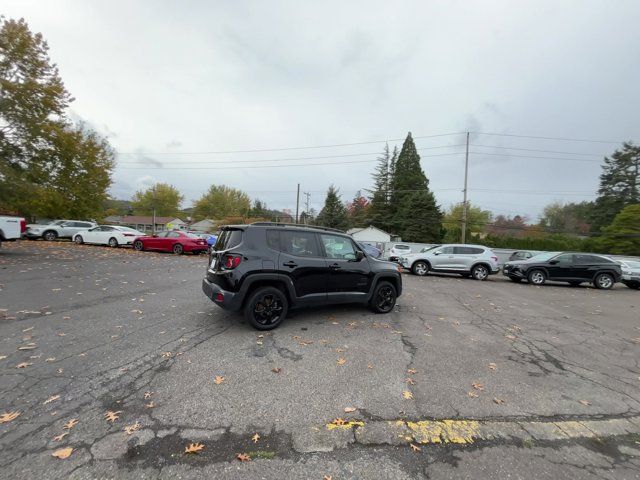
(511, 155)
(548, 138)
(290, 148)
(537, 150)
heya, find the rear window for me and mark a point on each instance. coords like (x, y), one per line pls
(403, 247)
(228, 239)
(468, 250)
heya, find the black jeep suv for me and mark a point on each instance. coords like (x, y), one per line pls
(266, 268)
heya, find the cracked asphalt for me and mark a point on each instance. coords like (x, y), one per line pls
(131, 332)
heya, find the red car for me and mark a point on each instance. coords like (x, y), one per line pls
(172, 241)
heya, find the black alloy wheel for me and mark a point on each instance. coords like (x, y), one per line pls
(384, 298)
(266, 308)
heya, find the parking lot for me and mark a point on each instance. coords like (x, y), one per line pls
(516, 377)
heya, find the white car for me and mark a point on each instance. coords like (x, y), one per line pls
(112, 235)
(397, 251)
(476, 261)
(12, 228)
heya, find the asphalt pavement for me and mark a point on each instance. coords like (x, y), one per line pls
(464, 379)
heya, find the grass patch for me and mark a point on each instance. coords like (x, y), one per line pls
(528, 443)
(266, 454)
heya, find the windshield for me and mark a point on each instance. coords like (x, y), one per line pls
(543, 257)
(426, 249)
(632, 263)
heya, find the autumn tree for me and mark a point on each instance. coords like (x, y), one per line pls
(619, 184)
(515, 226)
(415, 214)
(221, 201)
(334, 213)
(567, 218)
(477, 220)
(358, 210)
(165, 199)
(49, 166)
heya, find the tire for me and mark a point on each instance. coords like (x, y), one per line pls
(604, 281)
(536, 277)
(575, 284)
(178, 249)
(480, 272)
(78, 239)
(633, 285)
(50, 235)
(384, 297)
(113, 243)
(420, 268)
(138, 245)
(515, 279)
(266, 308)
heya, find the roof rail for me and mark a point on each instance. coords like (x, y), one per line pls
(300, 225)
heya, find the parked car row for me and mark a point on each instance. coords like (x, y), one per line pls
(479, 262)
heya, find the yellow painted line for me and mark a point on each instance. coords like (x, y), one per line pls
(445, 431)
(345, 426)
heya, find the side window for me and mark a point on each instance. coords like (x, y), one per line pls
(467, 250)
(566, 259)
(338, 247)
(273, 239)
(301, 244)
(84, 224)
(107, 229)
(446, 250)
(162, 234)
(173, 235)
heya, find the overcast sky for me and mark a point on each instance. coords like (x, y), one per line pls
(165, 80)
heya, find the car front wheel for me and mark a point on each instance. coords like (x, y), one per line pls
(79, 240)
(480, 272)
(420, 268)
(537, 277)
(384, 298)
(266, 308)
(50, 236)
(138, 245)
(604, 281)
(178, 249)
(113, 243)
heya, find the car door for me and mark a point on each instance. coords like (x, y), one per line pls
(442, 258)
(350, 274)
(465, 257)
(92, 235)
(586, 266)
(154, 242)
(301, 260)
(560, 267)
(106, 233)
(169, 241)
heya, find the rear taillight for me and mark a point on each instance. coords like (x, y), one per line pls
(128, 234)
(23, 225)
(495, 259)
(232, 261)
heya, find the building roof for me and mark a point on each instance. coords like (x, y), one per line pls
(144, 220)
(370, 227)
(206, 221)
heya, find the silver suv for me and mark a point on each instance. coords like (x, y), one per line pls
(476, 261)
(58, 229)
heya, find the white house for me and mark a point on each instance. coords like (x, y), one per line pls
(205, 226)
(371, 235)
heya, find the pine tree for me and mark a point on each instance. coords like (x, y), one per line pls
(619, 184)
(622, 237)
(334, 213)
(415, 213)
(379, 209)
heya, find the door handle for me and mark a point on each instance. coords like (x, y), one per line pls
(334, 266)
(290, 264)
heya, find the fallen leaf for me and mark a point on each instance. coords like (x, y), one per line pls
(369, 365)
(255, 438)
(24, 365)
(166, 354)
(243, 457)
(499, 401)
(410, 381)
(2, 357)
(327, 477)
(218, 380)
(62, 453)
(50, 359)
(477, 386)
(341, 361)
(276, 369)
(150, 405)
(51, 399)
(472, 394)
(407, 395)
(60, 370)
(70, 424)
(492, 366)
(57, 438)
(349, 409)
(147, 395)
(585, 402)
(132, 428)
(194, 448)
(8, 416)
(411, 371)
(415, 448)
(339, 421)
(112, 416)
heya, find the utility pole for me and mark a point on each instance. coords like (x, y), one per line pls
(464, 202)
(297, 203)
(306, 207)
(153, 228)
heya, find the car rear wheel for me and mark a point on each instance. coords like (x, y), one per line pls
(604, 281)
(537, 277)
(178, 249)
(420, 268)
(50, 236)
(138, 245)
(480, 272)
(384, 298)
(266, 308)
(78, 239)
(113, 243)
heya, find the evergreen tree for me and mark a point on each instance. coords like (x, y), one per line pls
(619, 184)
(334, 213)
(379, 211)
(622, 237)
(416, 216)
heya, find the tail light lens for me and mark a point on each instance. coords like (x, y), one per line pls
(128, 234)
(232, 261)
(495, 259)
(23, 225)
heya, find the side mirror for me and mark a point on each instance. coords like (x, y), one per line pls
(359, 255)
(437, 253)
(553, 262)
(154, 235)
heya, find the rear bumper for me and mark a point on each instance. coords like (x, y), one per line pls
(228, 300)
(513, 273)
